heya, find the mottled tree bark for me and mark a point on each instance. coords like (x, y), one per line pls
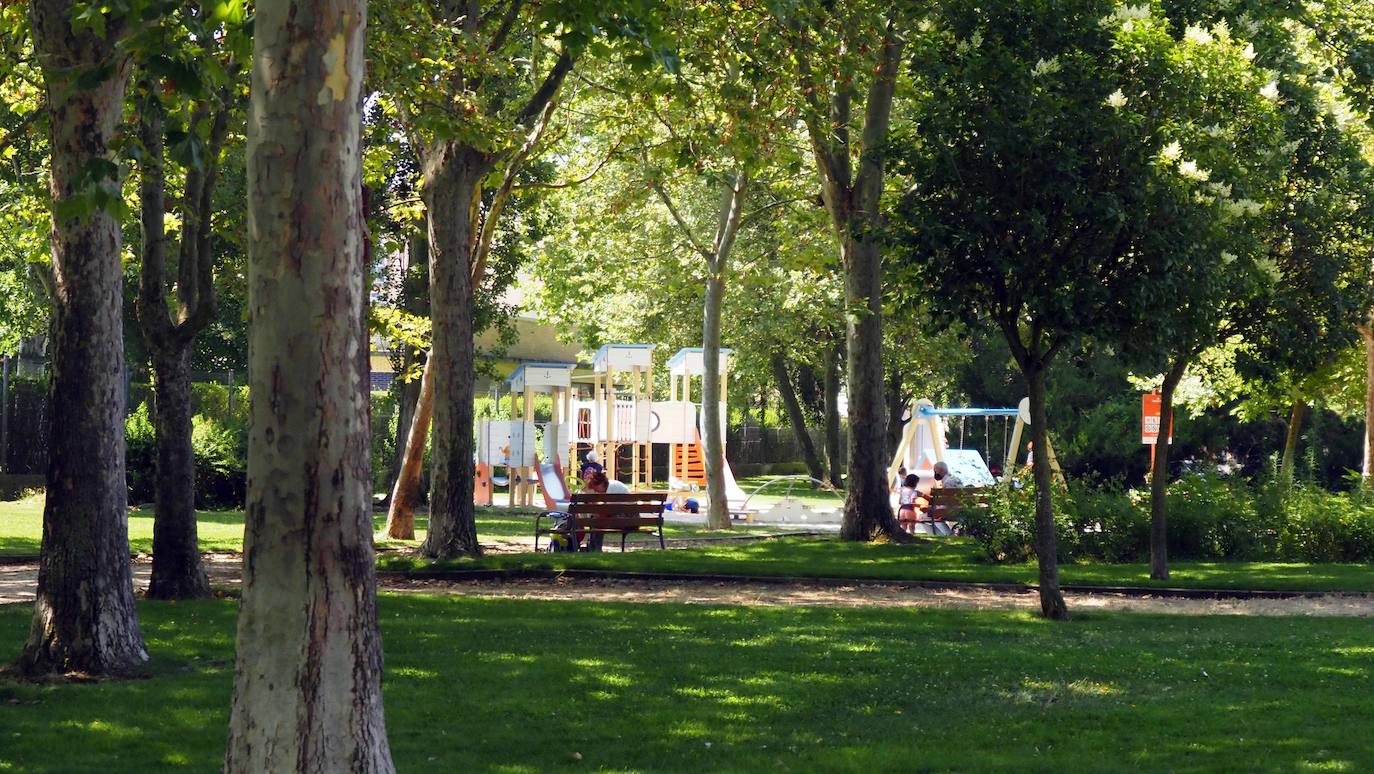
(797, 418)
(852, 200)
(452, 193)
(414, 299)
(84, 618)
(834, 455)
(1159, 474)
(405, 495)
(717, 267)
(177, 569)
(1046, 540)
(307, 681)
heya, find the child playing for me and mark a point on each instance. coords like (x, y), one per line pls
(909, 502)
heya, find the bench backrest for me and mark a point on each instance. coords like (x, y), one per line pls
(633, 508)
(947, 503)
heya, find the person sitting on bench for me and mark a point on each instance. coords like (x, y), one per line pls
(944, 478)
(599, 483)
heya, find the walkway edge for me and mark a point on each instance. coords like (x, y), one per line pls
(504, 574)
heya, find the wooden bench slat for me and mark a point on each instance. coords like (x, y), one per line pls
(611, 509)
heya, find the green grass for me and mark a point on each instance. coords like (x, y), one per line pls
(21, 528)
(487, 685)
(952, 559)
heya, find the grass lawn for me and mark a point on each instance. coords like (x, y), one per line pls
(21, 528)
(489, 685)
(950, 559)
(956, 559)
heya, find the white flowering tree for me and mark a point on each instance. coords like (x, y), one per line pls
(1072, 176)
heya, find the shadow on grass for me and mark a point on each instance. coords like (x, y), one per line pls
(509, 685)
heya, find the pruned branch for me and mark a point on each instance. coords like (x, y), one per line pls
(498, 201)
(498, 38)
(547, 90)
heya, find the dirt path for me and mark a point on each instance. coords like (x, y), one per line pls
(860, 595)
(17, 584)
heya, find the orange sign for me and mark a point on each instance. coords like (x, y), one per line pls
(1149, 419)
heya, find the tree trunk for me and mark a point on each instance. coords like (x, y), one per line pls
(1290, 441)
(84, 618)
(867, 509)
(177, 569)
(1367, 470)
(797, 418)
(307, 681)
(717, 266)
(1159, 474)
(1046, 541)
(405, 496)
(853, 203)
(414, 299)
(897, 401)
(452, 192)
(833, 455)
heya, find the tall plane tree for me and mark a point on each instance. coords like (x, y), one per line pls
(475, 112)
(84, 618)
(199, 128)
(722, 111)
(847, 58)
(307, 678)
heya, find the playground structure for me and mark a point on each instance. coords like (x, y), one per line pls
(515, 442)
(924, 443)
(614, 414)
(678, 423)
(619, 417)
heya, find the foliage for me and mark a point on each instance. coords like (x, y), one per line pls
(219, 448)
(1211, 518)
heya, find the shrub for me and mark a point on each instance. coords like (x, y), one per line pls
(218, 449)
(1209, 517)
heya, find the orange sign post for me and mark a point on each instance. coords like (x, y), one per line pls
(1149, 418)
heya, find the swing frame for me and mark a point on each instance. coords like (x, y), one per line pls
(924, 414)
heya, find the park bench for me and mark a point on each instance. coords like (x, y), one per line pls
(591, 512)
(947, 506)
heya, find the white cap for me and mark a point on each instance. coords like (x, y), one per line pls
(592, 456)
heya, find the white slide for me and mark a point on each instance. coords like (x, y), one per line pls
(734, 496)
(552, 485)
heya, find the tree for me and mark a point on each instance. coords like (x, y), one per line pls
(307, 678)
(478, 108)
(720, 113)
(84, 618)
(832, 49)
(199, 135)
(1039, 200)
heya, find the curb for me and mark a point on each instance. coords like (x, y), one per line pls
(501, 574)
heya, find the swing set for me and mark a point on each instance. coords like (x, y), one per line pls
(924, 443)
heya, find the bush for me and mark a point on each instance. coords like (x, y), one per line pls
(219, 451)
(1209, 518)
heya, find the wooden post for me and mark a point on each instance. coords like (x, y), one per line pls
(526, 414)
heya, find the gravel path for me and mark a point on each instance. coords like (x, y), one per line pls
(17, 583)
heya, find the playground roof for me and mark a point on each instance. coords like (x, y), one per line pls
(540, 374)
(691, 360)
(622, 357)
